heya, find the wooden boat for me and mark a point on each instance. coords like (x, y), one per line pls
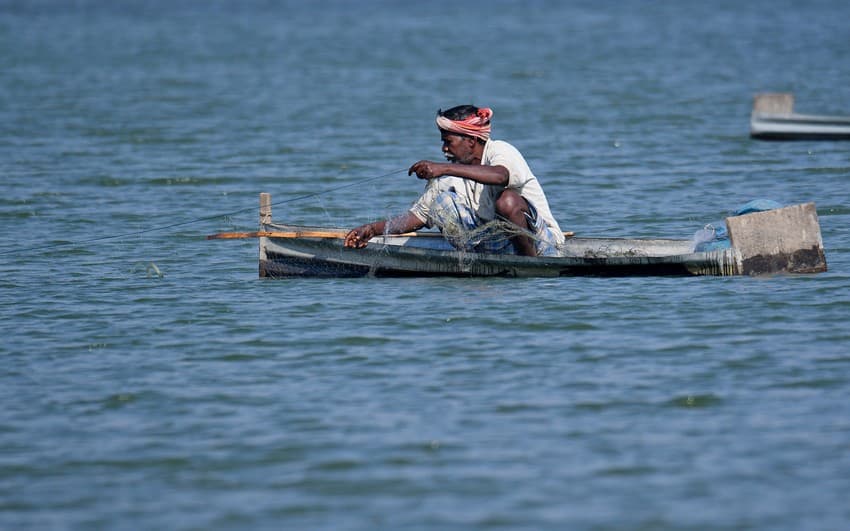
(785, 240)
(773, 118)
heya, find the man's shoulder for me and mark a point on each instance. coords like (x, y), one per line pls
(501, 148)
(500, 144)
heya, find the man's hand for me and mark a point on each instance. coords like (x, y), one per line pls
(425, 169)
(358, 237)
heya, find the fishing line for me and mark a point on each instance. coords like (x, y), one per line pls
(197, 220)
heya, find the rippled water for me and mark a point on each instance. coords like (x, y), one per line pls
(151, 380)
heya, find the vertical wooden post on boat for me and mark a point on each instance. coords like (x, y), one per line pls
(774, 103)
(265, 209)
(784, 240)
(265, 218)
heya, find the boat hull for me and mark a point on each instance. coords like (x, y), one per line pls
(773, 118)
(774, 241)
(383, 257)
(799, 127)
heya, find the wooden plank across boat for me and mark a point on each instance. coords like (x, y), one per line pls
(784, 240)
(773, 118)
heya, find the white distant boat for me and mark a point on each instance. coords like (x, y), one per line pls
(773, 118)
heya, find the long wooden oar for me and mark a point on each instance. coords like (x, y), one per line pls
(311, 233)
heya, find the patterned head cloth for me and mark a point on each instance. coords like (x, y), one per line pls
(476, 125)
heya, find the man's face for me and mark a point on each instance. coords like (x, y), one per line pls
(458, 148)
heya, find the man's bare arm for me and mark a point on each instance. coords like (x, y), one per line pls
(495, 175)
(358, 237)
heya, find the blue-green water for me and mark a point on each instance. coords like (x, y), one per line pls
(207, 398)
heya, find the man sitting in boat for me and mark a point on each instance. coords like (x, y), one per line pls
(483, 182)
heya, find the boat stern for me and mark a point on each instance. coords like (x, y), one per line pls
(784, 240)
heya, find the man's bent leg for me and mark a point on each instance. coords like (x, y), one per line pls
(545, 240)
(514, 208)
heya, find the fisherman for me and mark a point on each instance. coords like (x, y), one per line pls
(483, 180)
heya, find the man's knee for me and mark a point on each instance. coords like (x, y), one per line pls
(510, 204)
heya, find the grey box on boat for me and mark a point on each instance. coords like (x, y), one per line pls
(778, 241)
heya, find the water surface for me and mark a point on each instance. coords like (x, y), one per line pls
(151, 380)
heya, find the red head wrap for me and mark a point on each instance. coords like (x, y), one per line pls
(476, 125)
